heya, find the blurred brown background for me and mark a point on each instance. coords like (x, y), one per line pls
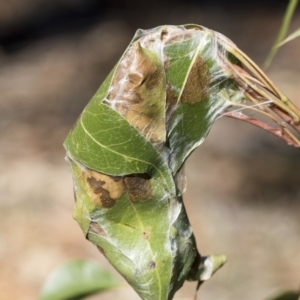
(243, 194)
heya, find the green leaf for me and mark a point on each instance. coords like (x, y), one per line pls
(77, 279)
(103, 140)
(129, 145)
(196, 82)
(141, 232)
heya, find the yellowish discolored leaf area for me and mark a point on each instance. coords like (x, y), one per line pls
(138, 92)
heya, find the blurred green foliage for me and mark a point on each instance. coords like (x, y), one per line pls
(281, 37)
(76, 279)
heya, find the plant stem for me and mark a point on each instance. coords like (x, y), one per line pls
(282, 32)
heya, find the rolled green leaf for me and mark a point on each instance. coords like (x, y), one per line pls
(140, 228)
(129, 145)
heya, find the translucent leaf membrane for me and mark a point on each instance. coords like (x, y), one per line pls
(129, 145)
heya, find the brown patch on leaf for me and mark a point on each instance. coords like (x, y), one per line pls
(97, 187)
(101, 250)
(130, 226)
(107, 189)
(146, 234)
(171, 102)
(196, 86)
(152, 265)
(178, 35)
(138, 92)
(97, 229)
(74, 193)
(164, 33)
(138, 187)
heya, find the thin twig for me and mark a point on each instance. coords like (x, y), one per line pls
(290, 140)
